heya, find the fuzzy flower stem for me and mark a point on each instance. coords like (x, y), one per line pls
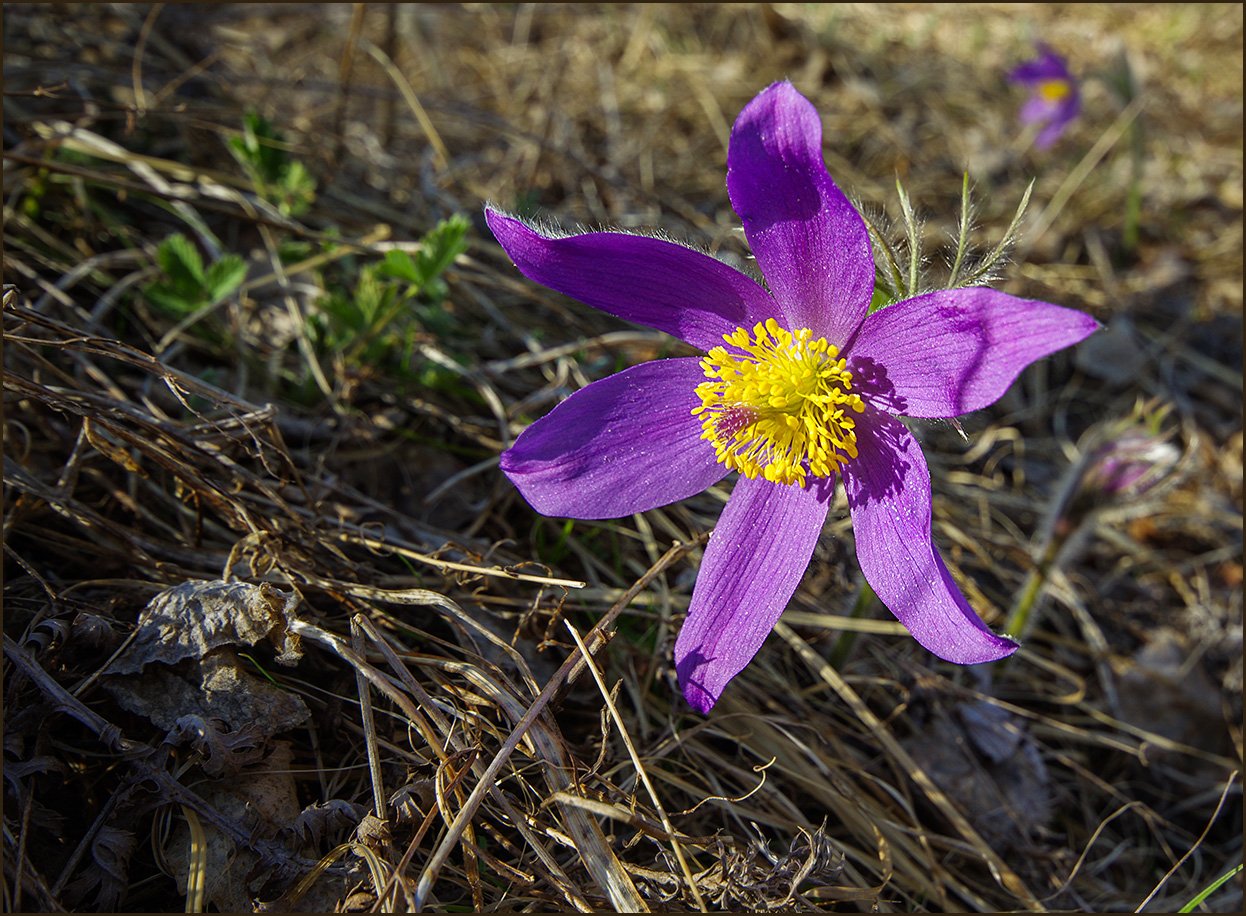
(1055, 532)
(1018, 622)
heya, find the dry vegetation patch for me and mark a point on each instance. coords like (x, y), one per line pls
(279, 634)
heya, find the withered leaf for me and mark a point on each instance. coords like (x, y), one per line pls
(108, 871)
(192, 619)
(215, 688)
(263, 796)
(982, 756)
(226, 751)
(331, 818)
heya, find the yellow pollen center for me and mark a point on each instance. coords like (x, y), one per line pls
(777, 404)
(1053, 90)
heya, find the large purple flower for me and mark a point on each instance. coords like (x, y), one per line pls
(798, 383)
(1055, 99)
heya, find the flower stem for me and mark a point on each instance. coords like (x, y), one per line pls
(1019, 618)
(843, 646)
(1133, 202)
(1059, 527)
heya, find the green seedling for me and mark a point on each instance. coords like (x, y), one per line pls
(393, 300)
(187, 286)
(282, 181)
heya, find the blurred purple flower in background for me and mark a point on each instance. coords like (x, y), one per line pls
(799, 382)
(1130, 456)
(1055, 99)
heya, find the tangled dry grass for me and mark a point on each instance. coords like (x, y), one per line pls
(279, 636)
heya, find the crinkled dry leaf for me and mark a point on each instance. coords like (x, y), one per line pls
(225, 751)
(215, 688)
(410, 801)
(1165, 690)
(264, 796)
(372, 831)
(982, 757)
(108, 871)
(192, 619)
(332, 818)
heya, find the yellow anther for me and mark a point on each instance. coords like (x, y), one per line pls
(778, 408)
(1054, 90)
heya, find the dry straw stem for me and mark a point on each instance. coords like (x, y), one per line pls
(144, 449)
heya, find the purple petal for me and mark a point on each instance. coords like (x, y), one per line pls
(1048, 66)
(649, 281)
(811, 245)
(1063, 115)
(1037, 109)
(754, 561)
(624, 444)
(1050, 134)
(953, 351)
(888, 488)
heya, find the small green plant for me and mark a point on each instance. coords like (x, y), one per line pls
(187, 285)
(393, 299)
(282, 181)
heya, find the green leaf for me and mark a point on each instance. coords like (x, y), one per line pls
(445, 242)
(398, 264)
(181, 263)
(369, 297)
(279, 179)
(223, 277)
(291, 251)
(1210, 889)
(298, 189)
(171, 301)
(880, 299)
(259, 145)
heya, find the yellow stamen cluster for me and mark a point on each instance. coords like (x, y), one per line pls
(778, 406)
(1054, 90)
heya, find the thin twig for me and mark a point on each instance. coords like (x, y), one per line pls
(1228, 784)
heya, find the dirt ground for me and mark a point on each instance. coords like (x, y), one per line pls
(280, 635)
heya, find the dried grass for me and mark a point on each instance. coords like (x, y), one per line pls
(456, 755)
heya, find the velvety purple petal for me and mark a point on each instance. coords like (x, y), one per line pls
(1047, 66)
(1036, 109)
(755, 559)
(811, 245)
(649, 281)
(1050, 134)
(1063, 115)
(624, 444)
(888, 488)
(946, 353)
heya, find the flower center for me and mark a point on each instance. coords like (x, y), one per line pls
(777, 405)
(1053, 90)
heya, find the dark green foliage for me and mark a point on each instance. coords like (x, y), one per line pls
(188, 286)
(279, 179)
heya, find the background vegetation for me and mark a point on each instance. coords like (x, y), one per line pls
(278, 632)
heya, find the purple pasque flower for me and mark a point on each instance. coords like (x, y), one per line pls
(1055, 99)
(1130, 456)
(798, 384)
